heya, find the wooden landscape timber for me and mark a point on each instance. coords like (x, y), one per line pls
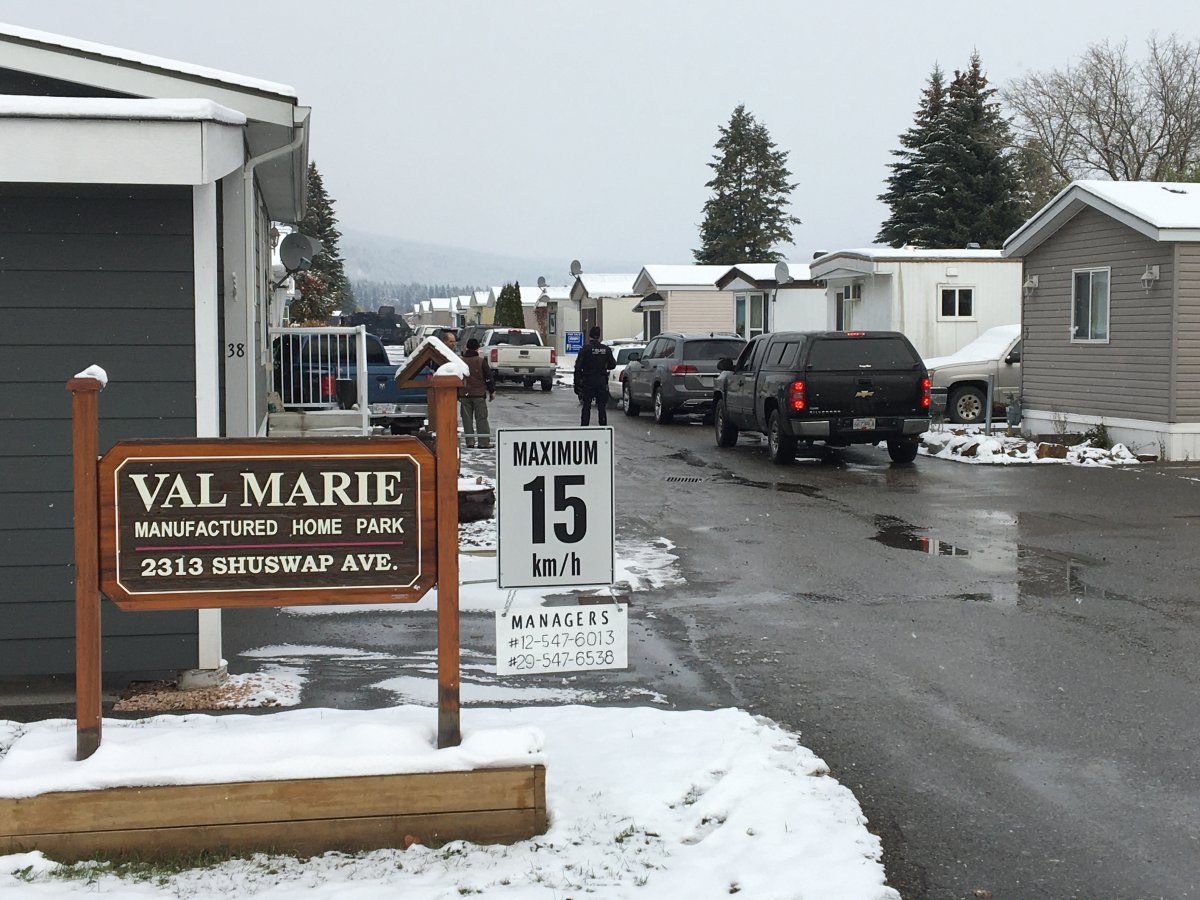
(302, 816)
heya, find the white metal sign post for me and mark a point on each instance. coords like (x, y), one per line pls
(554, 507)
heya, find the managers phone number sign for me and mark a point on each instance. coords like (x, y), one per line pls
(554, 507)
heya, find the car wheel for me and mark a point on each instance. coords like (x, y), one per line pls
(780, 447)
(528, 382)
(547, 384)
(967, 405)
(727, 435)
(627, 404)
(902, 451)
(662, 415)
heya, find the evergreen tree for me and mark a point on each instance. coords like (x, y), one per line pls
(324, 287)
(509, 313)
(959, 181)
(746, 217)
(910, 178)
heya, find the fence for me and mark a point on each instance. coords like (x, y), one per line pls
(321, 368)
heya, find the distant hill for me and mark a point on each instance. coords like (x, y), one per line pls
(376, 257)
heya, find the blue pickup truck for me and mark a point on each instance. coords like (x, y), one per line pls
(318, 371)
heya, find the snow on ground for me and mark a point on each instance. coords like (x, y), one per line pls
(968, 443)
(643, 803)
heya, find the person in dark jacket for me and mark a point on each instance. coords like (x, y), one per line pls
(592, 366)
(477, 389)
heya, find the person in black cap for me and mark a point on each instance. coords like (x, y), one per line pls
(592, 366)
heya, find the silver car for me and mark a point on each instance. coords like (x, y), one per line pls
(676, 372)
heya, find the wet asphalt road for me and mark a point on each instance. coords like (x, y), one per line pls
(1002, 664)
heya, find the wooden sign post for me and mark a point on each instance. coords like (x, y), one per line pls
(238, 522)
(85, 429)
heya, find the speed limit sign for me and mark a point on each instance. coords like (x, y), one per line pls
(554, 506)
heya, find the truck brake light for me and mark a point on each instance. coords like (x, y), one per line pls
(855, 333)
(926, 400)
(553, 356)
(328, 387)
(684, 369)
(495, 355)
(796, 398)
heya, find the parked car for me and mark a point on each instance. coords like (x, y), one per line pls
(835, 387)
(622, 350)
(676, 373)
(423, 331)
(516, 354)
(960, 381)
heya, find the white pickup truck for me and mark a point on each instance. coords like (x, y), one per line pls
(959, 382)
(517, 354)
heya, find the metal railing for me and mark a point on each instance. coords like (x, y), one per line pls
(321, 368)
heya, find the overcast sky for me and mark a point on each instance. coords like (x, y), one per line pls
(583, 129)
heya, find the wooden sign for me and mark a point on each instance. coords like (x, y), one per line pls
(207, 523)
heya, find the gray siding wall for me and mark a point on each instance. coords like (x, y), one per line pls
(1187, 333)
(88, 274)
(1130, 376)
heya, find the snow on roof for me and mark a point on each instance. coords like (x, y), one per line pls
(480, 298)
(141, 59)
(440, 303)
(608, 285)
(909, 254)
(766, 271)
(1161, 204)
(1161, 210)
(109, 108)
(530, 295)
(685, 276)
(556, 292)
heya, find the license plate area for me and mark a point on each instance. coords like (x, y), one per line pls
(866, 423)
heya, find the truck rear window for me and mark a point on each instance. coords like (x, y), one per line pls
(712, 349)
(518, 338)
(861, 353)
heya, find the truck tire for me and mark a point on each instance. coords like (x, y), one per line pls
(628, 406)
(780, 447)
(967, 405)
(547, 384)
(902, 451)
(528, 382)
(727, 435)
(662, 413)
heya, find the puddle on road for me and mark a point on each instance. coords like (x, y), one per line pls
(902, 536)
(1012, 573)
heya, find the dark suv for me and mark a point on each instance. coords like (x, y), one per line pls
(676, 373)
(839, 388)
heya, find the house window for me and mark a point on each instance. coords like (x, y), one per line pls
(552, 321)
(957, 303)
(1089, 305)
(749, 314)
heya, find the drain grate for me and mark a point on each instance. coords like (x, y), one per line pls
(684, 479)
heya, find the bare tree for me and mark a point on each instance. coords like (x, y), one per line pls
(1110, 116)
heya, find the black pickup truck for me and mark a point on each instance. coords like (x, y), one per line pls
(836, 387)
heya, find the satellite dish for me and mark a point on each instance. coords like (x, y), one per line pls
(576, 268)
(297, 250)
(782, 275)
(542, 282)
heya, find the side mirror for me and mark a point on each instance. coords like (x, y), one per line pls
(1014, 357)
(634, 356)
(725, 364)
